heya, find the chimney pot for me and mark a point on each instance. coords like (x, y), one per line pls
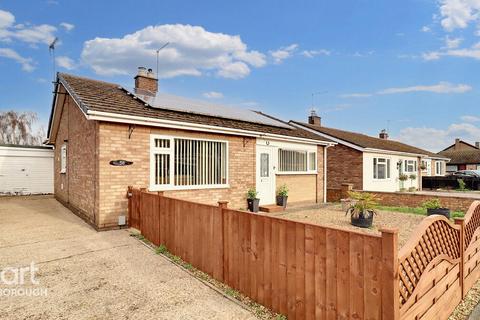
(457, 144)
(146, 82)
(383, 134)
(314, 119)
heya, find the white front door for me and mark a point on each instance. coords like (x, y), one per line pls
(266, 174)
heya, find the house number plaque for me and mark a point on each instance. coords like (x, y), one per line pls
(120, 163)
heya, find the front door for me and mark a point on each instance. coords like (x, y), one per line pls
(266, 174)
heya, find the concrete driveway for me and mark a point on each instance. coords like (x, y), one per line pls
(93, 275)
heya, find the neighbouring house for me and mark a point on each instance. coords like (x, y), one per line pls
(370, 163)
(26, 170)
(108, 137)
(463, 156)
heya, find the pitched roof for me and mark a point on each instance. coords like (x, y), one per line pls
(465, 156)
(466, 144)
(108, 97)
(364, 141)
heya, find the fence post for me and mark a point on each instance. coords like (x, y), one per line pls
(223, 205)
(460, 222)
(129, 197)
(390, 286)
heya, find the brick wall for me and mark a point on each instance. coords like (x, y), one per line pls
(345, 165)
(113, 181)
(302, 188)
(399, 199)
(76, 188)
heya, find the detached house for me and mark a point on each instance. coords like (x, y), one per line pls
(369, 163)
(107, 137)
(463, 155)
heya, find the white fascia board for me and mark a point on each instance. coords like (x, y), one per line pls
(336, 140)
(120, 118)
(406, 154)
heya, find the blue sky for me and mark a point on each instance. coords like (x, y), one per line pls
(409, 66)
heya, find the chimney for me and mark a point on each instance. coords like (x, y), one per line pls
(383, 134)
(477, 144)
(457, 144)
(146, 82)
(314, 119)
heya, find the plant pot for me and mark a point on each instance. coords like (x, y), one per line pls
(282, 201)
(441, 211)
(362, 222)
(253, 204)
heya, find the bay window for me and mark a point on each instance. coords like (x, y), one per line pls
(183, 163)
(296, 161)
(381, 168)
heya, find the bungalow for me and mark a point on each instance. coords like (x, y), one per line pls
(369, 163)
(108, 137)
(463, 155)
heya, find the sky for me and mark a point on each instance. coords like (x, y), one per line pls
(411, 67)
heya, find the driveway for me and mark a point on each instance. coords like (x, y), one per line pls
(94, 275)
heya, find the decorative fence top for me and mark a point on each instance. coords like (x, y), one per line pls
(472, 221)
(435, 239)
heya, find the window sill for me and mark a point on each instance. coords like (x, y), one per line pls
(173, 188)
(296, 173)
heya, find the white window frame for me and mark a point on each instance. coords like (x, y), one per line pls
(439, 164)
(388, 168)
(308, 152)
(171, 152)
(408, 163)
(63, 158)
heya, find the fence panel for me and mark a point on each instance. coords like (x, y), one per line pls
(429, 269)
(472, 246)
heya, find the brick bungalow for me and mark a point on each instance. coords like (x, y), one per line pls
(463, 155)
(370, 163)
(107, 137)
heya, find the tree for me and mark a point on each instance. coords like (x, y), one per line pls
(16, 128)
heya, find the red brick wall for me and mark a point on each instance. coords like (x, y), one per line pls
(76, 188)
(399, 199)
(345, 165)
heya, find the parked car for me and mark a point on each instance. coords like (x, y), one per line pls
(466, 173)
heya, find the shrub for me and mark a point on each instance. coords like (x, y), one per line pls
(252, 193)
(403, 177)
(432, 204)
(413, 176)
(282, 190)
(462, 186)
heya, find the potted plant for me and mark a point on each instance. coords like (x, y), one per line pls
(412, 177)
(434, 206)
(402, 178)
(423, 166)
(252, 201)
(282, 196)
(362, 209)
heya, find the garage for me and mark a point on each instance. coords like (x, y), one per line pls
(26, 170)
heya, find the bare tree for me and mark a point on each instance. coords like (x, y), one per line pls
(16, 128)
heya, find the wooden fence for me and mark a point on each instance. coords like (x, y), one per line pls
(301, 270)
(308, 271)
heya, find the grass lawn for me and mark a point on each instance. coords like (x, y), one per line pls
(419, 211)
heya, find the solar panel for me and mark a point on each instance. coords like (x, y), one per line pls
(176, 103)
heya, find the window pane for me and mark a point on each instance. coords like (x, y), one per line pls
(388, 168)
(200, 162)
(313, 161)
(264, 172)
(292, 161)
(162, 169)
(381, 171)
(375, 175)
(162, 143)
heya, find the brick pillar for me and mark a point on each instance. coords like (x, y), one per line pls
(346, 188)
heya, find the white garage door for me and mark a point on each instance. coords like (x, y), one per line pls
(26, 170)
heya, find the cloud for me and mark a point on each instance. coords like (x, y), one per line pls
(213, 95)
(283, 53)
(468, 118)
(432, 55)
(437, 139)
(426, 29)
(313, 53)
(26, 63)
(453, 43)
(192, 51)
(67, 26)
(65, 62)
(441, 87)
(458, 14)
(32, 34)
